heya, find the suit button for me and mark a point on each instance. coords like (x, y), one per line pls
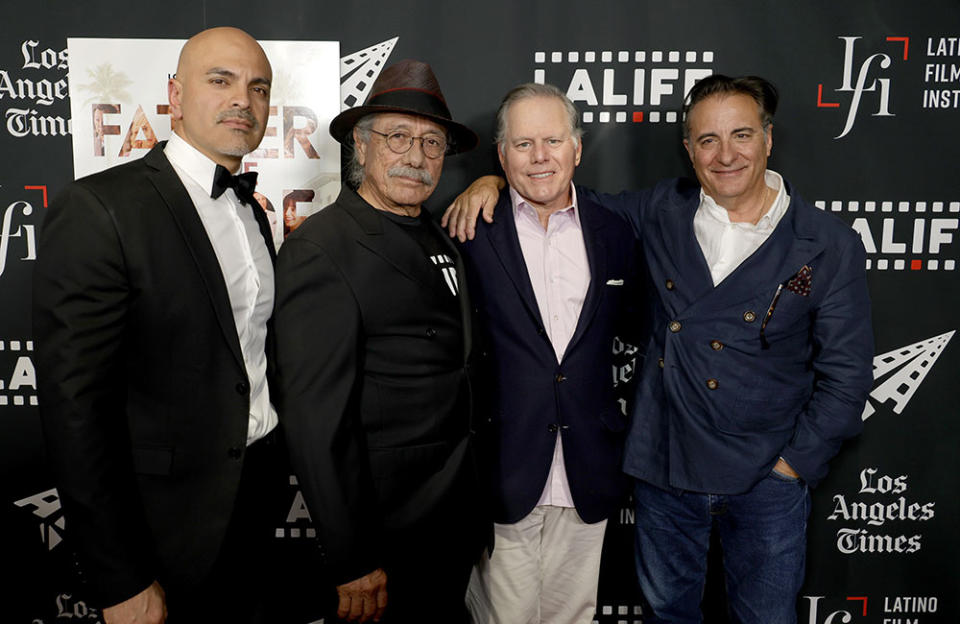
(243, 387)
(674, 326)
(431, 332)
(553, 428)
(716, 345)
(235, 452)
(749, 316)
(669, 284)
(560, 377)
(713, 384)
(660, 362)
(541, 331)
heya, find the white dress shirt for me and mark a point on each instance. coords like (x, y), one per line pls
(246, 267)
(726, 244)
(559, 272)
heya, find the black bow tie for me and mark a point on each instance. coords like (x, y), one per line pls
(242, 184)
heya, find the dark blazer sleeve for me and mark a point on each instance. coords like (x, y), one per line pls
(80, 301)
(318, 335)
(842, 337)
(630, 206)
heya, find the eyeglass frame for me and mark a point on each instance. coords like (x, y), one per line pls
(446, 143)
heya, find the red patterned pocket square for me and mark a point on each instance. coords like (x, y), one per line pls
(800, 283)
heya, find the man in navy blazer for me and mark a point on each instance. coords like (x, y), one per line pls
(757, 368)
(551, 280)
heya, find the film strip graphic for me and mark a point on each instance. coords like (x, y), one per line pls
(909, 365)
(643, 88)
(23, 374)
(935, 225)
(46, 506)
(618, 614)
(360, 69)
(297, 512)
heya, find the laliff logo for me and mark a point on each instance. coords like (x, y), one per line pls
(626, 85)
(18, 378)
(909, 367)
(17, 238)
(867, 76)
(904, 235)
(46, 507)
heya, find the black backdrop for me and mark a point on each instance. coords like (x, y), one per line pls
(883, 529)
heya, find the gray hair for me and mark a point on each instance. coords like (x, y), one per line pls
(532, 90)
(354, 168)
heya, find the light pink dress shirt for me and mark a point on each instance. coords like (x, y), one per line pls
(559, 272)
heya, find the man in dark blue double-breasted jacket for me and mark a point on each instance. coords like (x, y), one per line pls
(757, 368)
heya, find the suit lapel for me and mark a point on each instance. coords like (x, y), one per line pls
(597, 260)
(387, 240)
(171, 189)
(506, 246)
(685, 264)
(463, 294)
(786, 250)
(403, 253)
(264, 225)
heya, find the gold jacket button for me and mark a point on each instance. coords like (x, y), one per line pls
(716, 345)
(660, 362)
(713, 384)
(669, 284)
(674, 326)
(749, 316)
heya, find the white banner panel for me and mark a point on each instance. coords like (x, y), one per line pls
(118, 102)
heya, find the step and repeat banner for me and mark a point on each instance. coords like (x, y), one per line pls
(868, 129)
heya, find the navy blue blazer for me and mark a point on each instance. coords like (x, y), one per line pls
(715, 406)
(531, 396)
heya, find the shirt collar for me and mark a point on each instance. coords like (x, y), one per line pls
(769, 220)
(191, 161)
(521, 205)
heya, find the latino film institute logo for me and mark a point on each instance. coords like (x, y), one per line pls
(866, 77)
(869, 68)
(18, 231)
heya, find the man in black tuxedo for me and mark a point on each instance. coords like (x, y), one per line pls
(153, 290)
(375, 395)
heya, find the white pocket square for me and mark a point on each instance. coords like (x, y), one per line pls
(615, 282)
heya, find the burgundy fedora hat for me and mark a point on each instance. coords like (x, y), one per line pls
(407, 87)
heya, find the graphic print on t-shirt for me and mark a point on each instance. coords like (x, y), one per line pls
(445, 264)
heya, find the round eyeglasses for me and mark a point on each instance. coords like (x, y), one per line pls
(434, 146)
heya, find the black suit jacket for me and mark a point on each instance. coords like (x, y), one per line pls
(373, 388)
(534, 398)
(143, 392)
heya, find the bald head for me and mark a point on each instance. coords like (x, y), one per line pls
(220, 97)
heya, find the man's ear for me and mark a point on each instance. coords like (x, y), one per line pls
(175, 98)
(360, 148)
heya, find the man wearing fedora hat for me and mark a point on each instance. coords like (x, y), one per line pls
(377, 403)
